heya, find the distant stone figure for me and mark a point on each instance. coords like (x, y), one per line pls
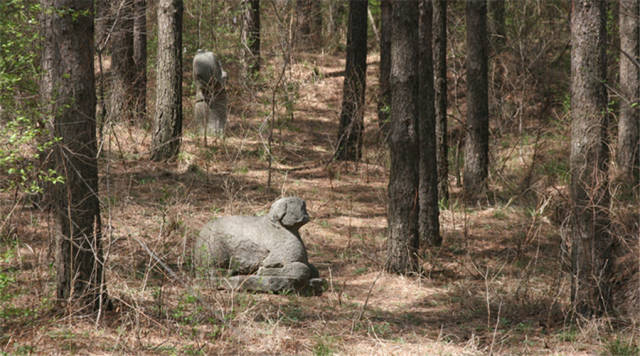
(259, 253)
(211, 96)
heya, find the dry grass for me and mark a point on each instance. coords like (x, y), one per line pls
(496, 285)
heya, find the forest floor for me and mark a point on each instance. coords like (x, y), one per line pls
(497, 285)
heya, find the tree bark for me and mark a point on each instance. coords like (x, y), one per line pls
(336, 12)
(476, 159)
(140, 59)
(69, 88)
(402, 214)
(628, 146)
(429, 227)
(591, 243)
(251, 37)
(349, 145)
(102, 21)
(123, 75)
(440, 68)
(309, 23)
(384, 94)
(167, 125)
(497, 8)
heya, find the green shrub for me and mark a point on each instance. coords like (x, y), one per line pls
(23, 138)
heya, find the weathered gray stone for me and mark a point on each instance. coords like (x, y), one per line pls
(259, 253)
(273, 284)
(211, 95)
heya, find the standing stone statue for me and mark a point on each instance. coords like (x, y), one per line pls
(211, 96)
(259, 253)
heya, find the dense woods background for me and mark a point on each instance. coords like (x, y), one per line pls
(471, 169)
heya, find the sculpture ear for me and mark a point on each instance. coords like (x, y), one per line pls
(278, 211)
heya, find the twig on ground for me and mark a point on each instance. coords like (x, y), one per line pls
(495, 330)
(171, 273)
(366, 302)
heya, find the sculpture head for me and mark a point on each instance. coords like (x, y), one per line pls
(290, 212)
(207, 69)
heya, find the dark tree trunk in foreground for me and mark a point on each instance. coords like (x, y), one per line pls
(440, 68)
(476, 150)
(69, 86)
(251, 36)
(402, 214)
(429, 227)
(140, 59)
(384, 95)
(167, 125)
(591, 256)
(498, 22)
(627, 155)
(349, 146)
(122, 92)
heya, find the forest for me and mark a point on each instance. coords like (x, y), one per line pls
(320, 177)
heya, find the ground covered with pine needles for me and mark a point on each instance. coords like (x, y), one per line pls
(497, 285)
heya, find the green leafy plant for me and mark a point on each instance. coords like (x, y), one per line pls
(6, 277)
(324, 346)
(23, 137)
(619, 347)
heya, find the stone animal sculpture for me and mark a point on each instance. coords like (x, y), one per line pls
(211, 96)
(259, 253)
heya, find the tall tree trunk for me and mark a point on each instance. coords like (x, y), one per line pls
(476, 158)
(167, 125)
(349, 146)
(140, 59)
(628, 147)
(309, 23)
(123, 76)
(69, 88)
(402, 214)
(440, 68)
(591, 243)
(303, 18)
(316, 23)
(384, 95)
(336, 12)
(251, 36)
(429, 227)
(102, 9)
(498, 23)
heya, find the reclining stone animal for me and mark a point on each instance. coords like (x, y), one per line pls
(259, 253)
(211, 95)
